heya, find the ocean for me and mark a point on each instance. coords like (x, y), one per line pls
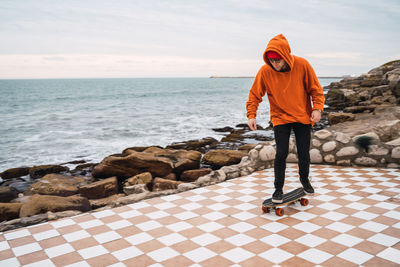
(52, 121)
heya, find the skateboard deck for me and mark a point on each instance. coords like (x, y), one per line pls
(288, 198)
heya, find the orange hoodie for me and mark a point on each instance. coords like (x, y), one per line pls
(288, 92)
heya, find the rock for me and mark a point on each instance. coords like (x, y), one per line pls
(345, 162)
(160, 184)
(232, 137)
(315, 156)
(21, 199)
(171, 176)
(138, 149)
(247, 147)
(20, 186)
(337, 117)
(136, 189)
(267, 153)
(225, 129)
(37, 172)
(365, 161)
(330, 158)
(7, 194)
(14, 173)
(219, 158)
(182, 160)
(102, 202)
(342, 138)
(396, 153)
(142, 178)
(57, 184)
(373, 135)
(133, 164)
(292, 158)
(347, 151)
(315, 143)
(395, 142)
(204, 180)
(100, 189)
(219, 176)
(329, 146)
(323, 134)
(9, 211)
(253, 154)
(375, 150)
(198, 145)
(42, 204)
(388, 131)
(193, 175)
(186, 186)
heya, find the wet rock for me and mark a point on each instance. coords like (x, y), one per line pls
(21, 186)
(42, 204)
(14, 173)
(37, 172)
(193, 175)
(225, 129)
(338, 117)
(160, 184)
(201, 145)
(139, 149)
(219, 158)
(57, 185)
(7, 194)
(9, 211)
(100, 189)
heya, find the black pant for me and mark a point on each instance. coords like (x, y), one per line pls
(282, 135)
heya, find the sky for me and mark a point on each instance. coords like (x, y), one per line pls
(187, 38)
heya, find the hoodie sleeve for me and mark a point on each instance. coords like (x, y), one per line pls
(314, 88)
(256, 93)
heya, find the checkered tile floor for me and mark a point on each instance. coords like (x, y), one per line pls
(353, 219)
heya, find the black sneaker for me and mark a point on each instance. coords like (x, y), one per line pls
(277, 197)
(307, 186)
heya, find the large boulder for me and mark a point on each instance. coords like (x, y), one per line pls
(57, 185)
(201, 145)
(37, 172)
(143, 178)
(42, 204)
(338, 117)
(7, 194)
(182, 160)
(193, 175)
(98, 203)
(219, 158)
(9, 211)
(100, 189)
(160, 184)
(14, 173)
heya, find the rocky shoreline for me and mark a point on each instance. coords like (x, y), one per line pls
(361, 127)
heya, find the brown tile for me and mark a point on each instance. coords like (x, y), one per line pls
(110, 219)
(21, 241)
(317, 211)
(191, 232)
(177, 261)
(32, 257)
(187, 194)
(150, 246)
(102, 260)
(341, 202)
(230, 211)
(84, 243)
(98, 230)
(385, 220)
(41, 228)
(168, 220)
(155, 201)
(197, 221)
(361, 233)
(379, 262)
(116, 245)
(138, 219)
(336, 261)
(184, 246)
(181, 202)
(2, 238)
(202, 211)
(325, 233)
(290, 221)
(224, 233)
(255, 261)
(321, 221)
(370, 247)
(52, 242)
(69, 229)
(206, 202)
(220, 247)
(216, 261)
(83, 218)
(258, 233)
(232, 202)
(147, 210)
(6, 254)
(294, 247)
(227, 221)
(67, 259)
(291, 233)
(353, 221)
(347, 211)
(139, 261)
(296, 261)
(174, 210)
(234, 194)
(128, 231)
(122, 209)
(332, 247)
(391, 231)
(257, 247)
(160, 231)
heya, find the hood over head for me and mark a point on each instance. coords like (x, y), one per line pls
(279, 45)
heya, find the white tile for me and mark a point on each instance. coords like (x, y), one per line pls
(171, 197)
(334, 216)
(11, 262)
(149, 225)
(378, 197)
(357, 206)
(130, 214)
(169, 205)
(392, 214)
(371, 190)
(47, 263)
(315, 256)
(243, 216)
(303, 216)
(107, 237)
(127, 253)
(240, 239)
(383, 239)
(186, 215)
(247, 191)
(274, 227)
(346, 190)
(205, 239)
(79, 264)
(223, 191)
(16, 234)
(388, 184)
(246, 198)
(351, 197)
(347, 240)
(340, 227)
(365, 215)
(119, 264)
(62, 223)
(4, 245)
(179, 226)
(356, 256)
(276, 255)
(200, 190)
(237, 255)
(220, 198)
(76, 236)
(191, 206)
(329, 206)
(373, 226)
(103, 213)
(275, 240)
(26, 249)
(92, 252)
(199, 254)
(157, 214)
(46, 235)
(385, 205)
(210, 227)
(324, 198)
(139, 238)
(341, 184)
(171, 239)
(59, 250)
(119, 224)
(242, 227)
(390, 254)
(213, 216)
(163, 254)
(310, 240)
(91, 224)
(218, 206)
(139, 205)
(307, 227)
(246, 206)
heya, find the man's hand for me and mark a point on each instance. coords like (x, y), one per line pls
(252, 124)
(315, 115)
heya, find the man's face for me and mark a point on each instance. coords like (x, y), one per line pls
(277, 63)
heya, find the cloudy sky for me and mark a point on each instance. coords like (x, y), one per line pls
(185, 38)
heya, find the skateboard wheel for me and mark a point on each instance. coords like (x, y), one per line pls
(304, 201)
(279, 212)
(265, 209)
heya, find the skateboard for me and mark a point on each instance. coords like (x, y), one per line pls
(288, 198)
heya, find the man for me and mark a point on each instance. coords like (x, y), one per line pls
(289, 82)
